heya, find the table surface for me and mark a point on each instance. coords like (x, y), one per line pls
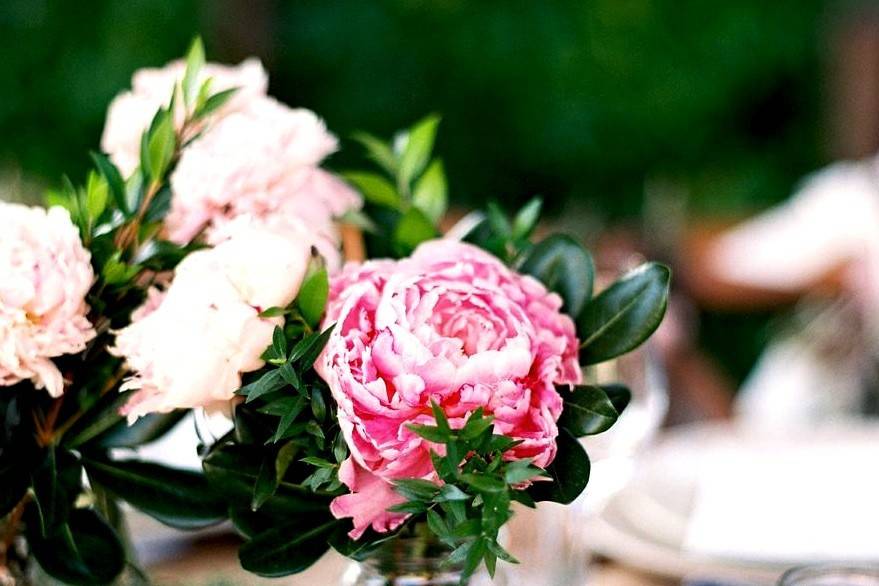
(210, 559)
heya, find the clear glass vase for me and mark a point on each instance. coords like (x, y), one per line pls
(408, 560)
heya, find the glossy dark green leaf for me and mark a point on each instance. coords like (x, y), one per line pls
(587, 411)
(619, 395)
(179, 498)
(85, 551)
(287, 549)
(564, 266)
(146, 429)
(622, 316)
(233, 470)
(569, 472)
(266, 482)
(56, 483)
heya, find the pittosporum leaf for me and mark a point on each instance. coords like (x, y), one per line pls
(587, 411)
(622, 316)
(565, 267)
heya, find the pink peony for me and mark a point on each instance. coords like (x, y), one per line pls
(131, 112)
(450, 324)
(45, 274)
(189, 346)
(262, 162)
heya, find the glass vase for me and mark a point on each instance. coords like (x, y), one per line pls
(408, 560)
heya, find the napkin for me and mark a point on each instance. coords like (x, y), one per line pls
(789, 504)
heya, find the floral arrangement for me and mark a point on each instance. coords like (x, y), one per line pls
(199, 267)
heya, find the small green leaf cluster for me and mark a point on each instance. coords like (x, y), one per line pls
(477, 487)
(282, 458)
(408, 197)
(504, 237)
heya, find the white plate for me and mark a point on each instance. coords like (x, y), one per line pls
(645, 525)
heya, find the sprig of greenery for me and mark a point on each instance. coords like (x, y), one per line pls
(478, 486)
(408, 196)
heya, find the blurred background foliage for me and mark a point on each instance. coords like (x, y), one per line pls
(588, 103)
(580, 101)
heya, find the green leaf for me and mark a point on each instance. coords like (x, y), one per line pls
(569, 472)
(97, 420)
(161, 145)
(233, 468)
(484, 483)
(285, 457)
(429, 432)
(418, 148)
(267, 383)
(285, 550)
(437, 524)
(179, 498)
(587, 411)
(214, 102)
(273, 312)
(410, 508)
(318, 405)
(117, 272)
(97, 193)
(378, 151)
(564, 266)
(450, 492)
(279, 342)
(312, 298)
(375, 189)
(431, 192)
(520, 471)
(288, 418)
(412, 229)
(146, 429)
(56, 484)
(416, 489)
(475, 426)
(624, 315)
(619, 395)
(195, 60)
(114, 180)
(266, 482)
(313, 351)
(86, 551)
(526, 220)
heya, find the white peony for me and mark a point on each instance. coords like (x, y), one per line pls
(45, 274)
(190, 346)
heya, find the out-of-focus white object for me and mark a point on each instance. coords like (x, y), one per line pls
(810, 499)
(833, 219)
(673, 520)
(810, 374)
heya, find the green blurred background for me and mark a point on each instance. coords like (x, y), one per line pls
(575, 100)
(583, 102)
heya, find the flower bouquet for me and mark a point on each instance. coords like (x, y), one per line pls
(419, 393)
